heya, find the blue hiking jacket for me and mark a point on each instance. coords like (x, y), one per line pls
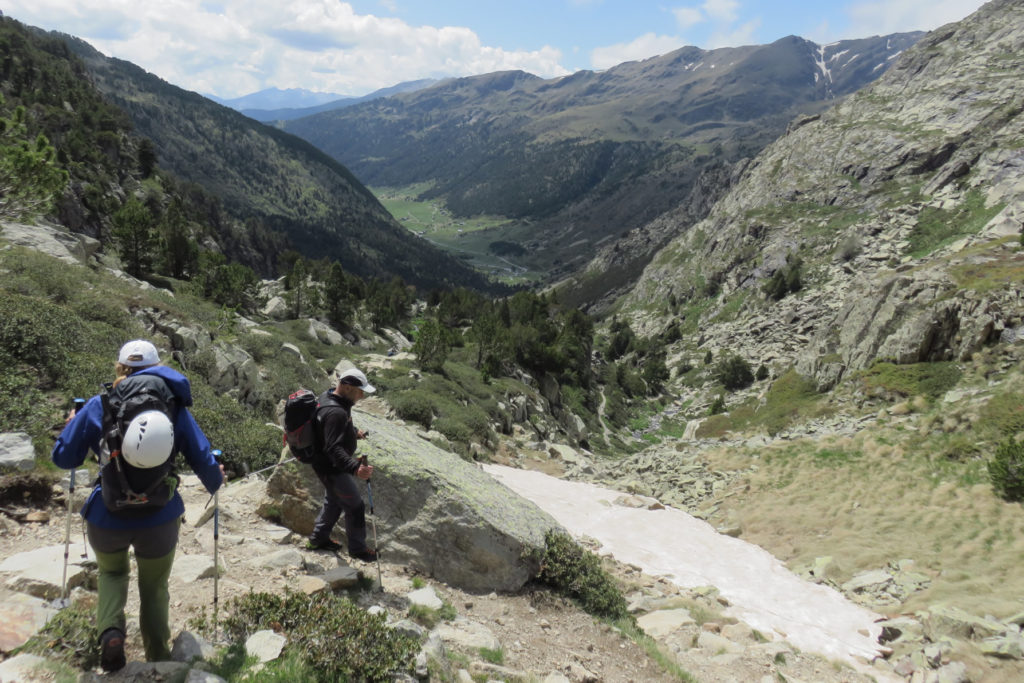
(85, 431)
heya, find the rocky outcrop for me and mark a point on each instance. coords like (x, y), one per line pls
(433, 511)
(910, 317)
(865, 195)
(55, 241)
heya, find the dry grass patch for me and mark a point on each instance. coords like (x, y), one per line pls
(879, 497)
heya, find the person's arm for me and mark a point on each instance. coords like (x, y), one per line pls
(81, 433)
(196, 447)
(335, 421)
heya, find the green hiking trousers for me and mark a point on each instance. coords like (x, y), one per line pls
(154, 555)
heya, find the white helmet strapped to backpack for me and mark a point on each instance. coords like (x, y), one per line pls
(149, 440)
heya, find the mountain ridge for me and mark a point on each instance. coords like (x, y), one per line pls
(555, 155)
(293, 111)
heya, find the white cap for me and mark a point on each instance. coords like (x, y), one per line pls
(138, 354)
(356, 378)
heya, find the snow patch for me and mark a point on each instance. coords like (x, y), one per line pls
(689, 552)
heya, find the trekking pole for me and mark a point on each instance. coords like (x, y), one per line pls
(373, 525)
(216, 537)
(77, 405)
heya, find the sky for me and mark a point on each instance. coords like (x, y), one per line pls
(230, 48)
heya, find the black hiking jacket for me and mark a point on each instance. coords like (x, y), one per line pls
(339, 436)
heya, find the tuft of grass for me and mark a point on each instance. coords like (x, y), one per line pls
(790, 397)
(494, 656)
(429, 617)
(231, 663)
(666, 661)
(69, 636)
(289, 667)
(1004, 413)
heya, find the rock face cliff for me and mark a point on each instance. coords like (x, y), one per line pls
(900, 209)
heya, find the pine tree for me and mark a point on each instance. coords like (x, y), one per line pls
(431, 346)
(135, 237)
(29, 175)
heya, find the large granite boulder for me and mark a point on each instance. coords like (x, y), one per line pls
(433, 511)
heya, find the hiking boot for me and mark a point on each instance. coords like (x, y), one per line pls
(326, 544)
(365, 555)
(112, 650)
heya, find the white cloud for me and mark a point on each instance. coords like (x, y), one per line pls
(647, 45)
(894, 16)
(239, 46)
(688, 16)
(734, 36)
(722, 10)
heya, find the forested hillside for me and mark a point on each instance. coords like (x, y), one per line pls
(282, 190)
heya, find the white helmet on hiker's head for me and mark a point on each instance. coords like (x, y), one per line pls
(149, 440)
(138, 354)
(356, 378)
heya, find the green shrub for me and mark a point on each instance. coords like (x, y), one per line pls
(1006, 470)
(733, 373)
(454, 429)
(414, 406)
(786, 280)
(577, 573)
(718, 406)
(244, 437)
(929, 379)
(340, 641)
(38, 333)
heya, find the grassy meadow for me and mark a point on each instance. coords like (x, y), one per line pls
(469, 239)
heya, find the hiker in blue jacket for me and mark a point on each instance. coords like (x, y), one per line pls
(153, 533)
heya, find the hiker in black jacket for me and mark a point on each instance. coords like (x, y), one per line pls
(337, 467)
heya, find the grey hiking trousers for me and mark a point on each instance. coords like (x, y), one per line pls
(342, 495)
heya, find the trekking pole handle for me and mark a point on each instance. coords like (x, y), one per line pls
(76, 405)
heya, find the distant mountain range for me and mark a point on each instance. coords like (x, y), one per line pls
(274, 104)
(276, 98)
(579, 161)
